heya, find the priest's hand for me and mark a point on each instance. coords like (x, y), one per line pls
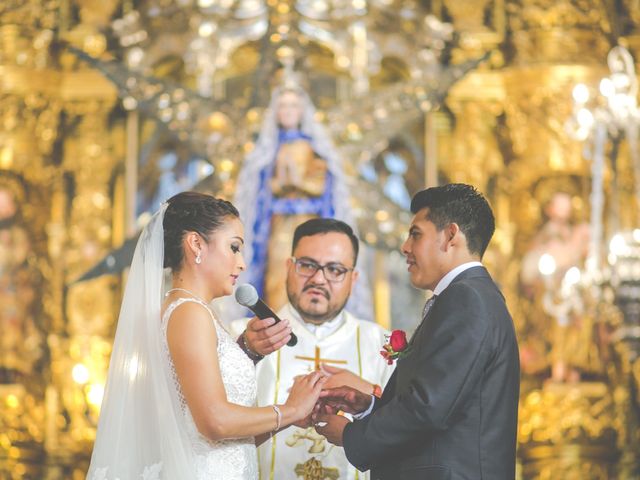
(347, 399)
(339, 377)
(331, 426)
(266, 336)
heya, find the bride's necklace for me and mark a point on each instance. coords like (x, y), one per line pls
(206, 304)
(185, 291)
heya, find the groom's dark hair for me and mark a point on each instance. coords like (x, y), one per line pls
(461, 204)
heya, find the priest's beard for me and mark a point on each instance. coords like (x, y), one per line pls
(315, 317)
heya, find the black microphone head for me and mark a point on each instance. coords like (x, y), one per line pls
(247, 295)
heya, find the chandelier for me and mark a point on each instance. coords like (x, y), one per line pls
(609, 113)
(602, 119)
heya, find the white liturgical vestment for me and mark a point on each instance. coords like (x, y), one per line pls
(344, 342)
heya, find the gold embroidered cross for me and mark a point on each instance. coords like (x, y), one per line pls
(299, 436)
(312, 469)
(317, 360)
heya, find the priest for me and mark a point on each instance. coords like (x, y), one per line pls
(320, 276)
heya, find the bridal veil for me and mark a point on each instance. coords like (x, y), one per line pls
(141, 432)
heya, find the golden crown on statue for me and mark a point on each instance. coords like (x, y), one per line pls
(287, 78)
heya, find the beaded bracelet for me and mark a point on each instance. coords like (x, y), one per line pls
(242, 342)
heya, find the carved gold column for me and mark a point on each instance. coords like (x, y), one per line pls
(28, 125)
(567, 429)
(90, 174)
(60, 152)
(474, 153)
(80, 352)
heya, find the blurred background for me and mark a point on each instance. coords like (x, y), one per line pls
(107, 108)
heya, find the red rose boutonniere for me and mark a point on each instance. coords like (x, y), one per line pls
(396, 346)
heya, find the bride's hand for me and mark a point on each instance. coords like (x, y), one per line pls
(304, 393)
(339, 377)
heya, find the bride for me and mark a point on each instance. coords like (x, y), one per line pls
(180, 395)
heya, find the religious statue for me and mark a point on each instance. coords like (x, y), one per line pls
(567, 243)
(550, 276)
(293, 174)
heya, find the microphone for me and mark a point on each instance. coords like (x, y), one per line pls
(247, 296)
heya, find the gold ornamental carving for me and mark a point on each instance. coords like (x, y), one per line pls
(474, 143)
(40, 14)
(568, 431)
(21, 279)
(565, 31)
(94, 19)
(468, 16)
(481, 26)
(312, 469)
(538, 102)
(29, 130)
(62, 145)
(58, 164)
(24, 272)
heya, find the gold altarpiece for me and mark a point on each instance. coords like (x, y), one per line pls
(62, 178)
(61, 169)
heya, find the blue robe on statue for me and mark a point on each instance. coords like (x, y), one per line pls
(268, 205)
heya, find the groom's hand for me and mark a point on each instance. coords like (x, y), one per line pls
(266, 336)
(331, 426)
(347, 399)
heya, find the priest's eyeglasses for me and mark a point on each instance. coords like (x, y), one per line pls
(333, 272)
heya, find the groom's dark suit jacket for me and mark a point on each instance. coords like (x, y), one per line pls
(450, 409)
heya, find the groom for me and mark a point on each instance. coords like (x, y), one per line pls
(450, 409)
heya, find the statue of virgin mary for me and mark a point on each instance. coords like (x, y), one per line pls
(293, 174)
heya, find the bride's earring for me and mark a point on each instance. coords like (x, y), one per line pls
(198, 258)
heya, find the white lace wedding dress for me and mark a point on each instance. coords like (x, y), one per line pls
(234, 459)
